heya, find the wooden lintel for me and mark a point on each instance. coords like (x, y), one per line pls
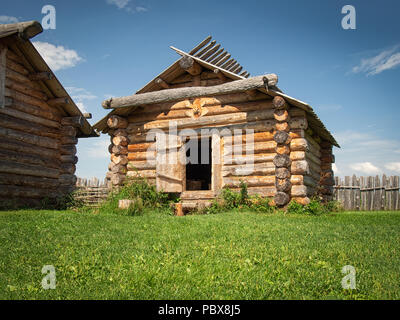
(176, 94)
(58, 101)
(162, 83)
(190, 66)
(76, 121)
(41, 76)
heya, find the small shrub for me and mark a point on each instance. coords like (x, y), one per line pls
(145, 195)
(315, 207)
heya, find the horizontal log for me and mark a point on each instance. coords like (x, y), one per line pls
(31, 181)
(15, 95)
(260, 191)
(41, 76)
(141, 173)
(137, 156)
(243, 137)
(27, 192)
(67, 149)
(120, 133)
(168, 95)
(224, 119)
(210, 110)
(141, 165)
(303, 180)
(258, 147)
(251, 181)
(25, 89)
(298, 123)
(76, 121)
(68, 131)
(26, 148)
(17, 67)
(258, 169)
(67, 179)
(27, 127)
(68, 140)
(29, 138)
(10, 111)
(69, 158)
(117, 122)
(256, 158)
(61, 101)
(36, 111)
(28, 169)
(67, 168)
(19, 157)
(140, 147)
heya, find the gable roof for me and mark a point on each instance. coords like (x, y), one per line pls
(174, 70)
(18, 35)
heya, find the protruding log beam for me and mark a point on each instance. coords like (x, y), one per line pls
(282, 161)
(279, 103)
(87, 115)
(116, 122)
(68, 149)
(162, 83)
(58, 101)
(68, 140)
(281, 199)
(67, 179)
(41, 76)
(120, 141)
(76, 121)
(120, 159)
(177, 94)
(190, 66)
(68, 131)
(118, 150)
(117, 179)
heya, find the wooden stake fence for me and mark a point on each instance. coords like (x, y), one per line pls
(368, 193)
(91, 191)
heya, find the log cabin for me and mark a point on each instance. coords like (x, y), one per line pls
(39, 123)
(205, 106)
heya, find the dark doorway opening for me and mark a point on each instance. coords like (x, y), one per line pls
(198, 167)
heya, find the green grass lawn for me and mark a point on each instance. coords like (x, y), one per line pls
(224, 256)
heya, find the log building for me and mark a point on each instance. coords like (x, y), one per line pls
(39, 123)
(288, 156)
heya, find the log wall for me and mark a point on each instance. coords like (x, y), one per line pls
(37, 153)
(283, 160)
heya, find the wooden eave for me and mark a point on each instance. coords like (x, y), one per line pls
(34, 62)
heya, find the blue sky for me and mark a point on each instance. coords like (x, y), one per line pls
(351, 78)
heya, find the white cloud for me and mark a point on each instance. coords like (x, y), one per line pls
(99, 149)
(8, 19)
(81, 107)
(386, 60)
(394, 166)
(57, 57)
(123, 4)
(80, 94)
(119, 3)
(141, 9)
(365, 167)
